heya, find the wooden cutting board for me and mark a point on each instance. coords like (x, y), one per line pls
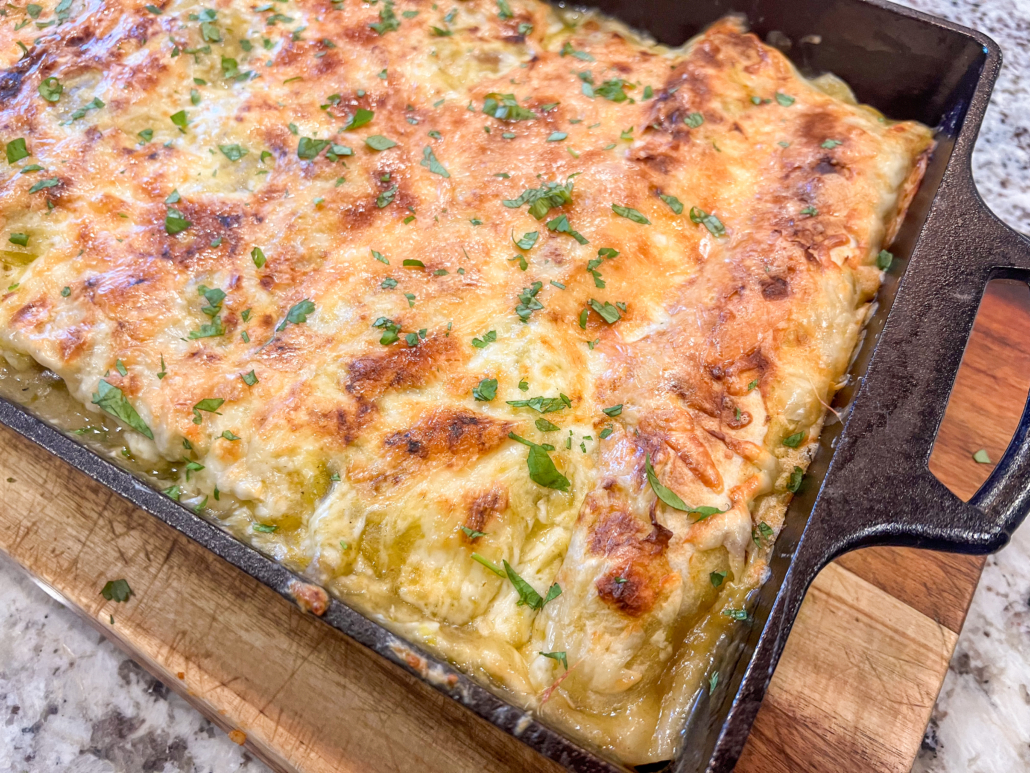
(853, 691)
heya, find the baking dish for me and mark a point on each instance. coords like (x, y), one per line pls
(818, 529)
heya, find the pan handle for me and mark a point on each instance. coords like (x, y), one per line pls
(878, 488)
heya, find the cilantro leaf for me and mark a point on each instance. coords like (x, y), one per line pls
(504, 107)
(711, 222)
(527, 241)
(117, 591)
(16, 150)
(693, 120)
(486, 390)
(429, 160)
(309, 148)
(111, 400)
(528, 302)
(175, 222)
(542, 200)
(608, 313)
(561, 657)
(541, 467)
(797, 475)
(674, 204)
(884, 260)
(631, 214)
(297, 315)
(180, 120)
(527, 595)
(561, 225)
(386, 198)
(793, 441)
(388, 21)
(359, 119)
(51, 89)
(667, 495)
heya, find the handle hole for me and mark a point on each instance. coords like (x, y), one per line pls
(990, 390)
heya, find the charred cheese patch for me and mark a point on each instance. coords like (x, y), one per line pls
(409, 297)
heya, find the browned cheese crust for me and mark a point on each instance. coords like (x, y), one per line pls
(282, 255)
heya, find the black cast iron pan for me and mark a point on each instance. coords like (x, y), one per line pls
(869, 483)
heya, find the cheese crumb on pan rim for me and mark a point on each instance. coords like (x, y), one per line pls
(508, 327)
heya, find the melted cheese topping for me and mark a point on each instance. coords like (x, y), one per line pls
(311, 321)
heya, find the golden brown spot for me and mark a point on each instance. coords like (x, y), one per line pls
(458, 434)
(483, 507)
(31, 314)
(399, 367)
(635, 554)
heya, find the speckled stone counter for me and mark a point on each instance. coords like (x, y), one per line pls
(72, 703)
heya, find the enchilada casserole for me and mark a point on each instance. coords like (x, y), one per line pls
(509, 327)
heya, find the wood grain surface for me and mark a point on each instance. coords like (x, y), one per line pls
(853, 691)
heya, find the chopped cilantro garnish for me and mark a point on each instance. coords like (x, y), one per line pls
(830, 144)
(180, 120)
(111, 400)
(674, 204)
(250, 379)
(542, 404)
(630, 214)
(796, 476)
(360, 118)
(386, 198)
(543, 472)
(258, 256)
(488, 564)
(388, 21)
(557, 136)
(561, 224)
(608, 313)
(527, 241)
(793, 441)
(51, 89)
(488, 338)
(615, 410)
(784, 99)
(486, 390)
(309, 148)
(117, 591)
(568, 50)
(884, 260)
(297, 315)
(545, 426)
(528, 302)
(693, 120)
(561, 657)
(16, 150)
(613, 90)
(175, 222)
(504, 107)
(22, 240)
(430, 161)
(379, 142)
(711, 222)
(542, 200)
(233, 152)
(390, 330)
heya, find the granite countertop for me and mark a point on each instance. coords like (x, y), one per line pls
(70, 701)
